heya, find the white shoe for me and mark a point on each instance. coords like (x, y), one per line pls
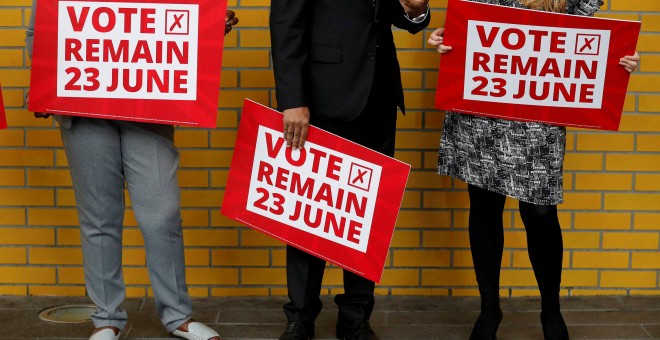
(105, 334)
(196, 331)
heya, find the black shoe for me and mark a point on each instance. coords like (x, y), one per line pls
(355, 330)
(554, 326)
(296, 330)
(486, 326)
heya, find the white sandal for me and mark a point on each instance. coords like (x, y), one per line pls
(196, 331)
(105, 334)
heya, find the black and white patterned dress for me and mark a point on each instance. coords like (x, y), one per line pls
(522, 160)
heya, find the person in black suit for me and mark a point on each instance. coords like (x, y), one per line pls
(336, 67)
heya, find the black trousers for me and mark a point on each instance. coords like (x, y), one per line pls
(374, 128)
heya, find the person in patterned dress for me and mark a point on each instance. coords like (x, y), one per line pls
(499, 158)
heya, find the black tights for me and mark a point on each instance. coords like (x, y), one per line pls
(544, 243)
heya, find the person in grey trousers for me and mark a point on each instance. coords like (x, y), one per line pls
(102, 155)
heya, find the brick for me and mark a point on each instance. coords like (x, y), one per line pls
(49, 177)
(134, 256)
(245, 58)
(446, 199)
(403, 39)
(635, 5)
(253, 17)
(421, 258)
(640, 123)
(646, 260)
(10, 137)
(581, 201)
(240, 257)
(13, 290)
(55, 256)
(12, 177)
(448, 277)
(420, 291)
(579, 278)
(54, 216)
(193, 178)
(648, 142)
(13, 255)
(445, 239)
(400, 277)
(602, 221)
(227, 118)
(413, 158)
(411, 199)
(216, 238)
(406, 238)
(581, 240)
(583, 161)
(628, 279)
(257, 78)
(423, 219)
(138, 276)
(418, 60)
(51, 290)
(635, 201)
(647, 182)
(197, 257)
(191, 138)
(598, 292)
(70, 275)
(644, 82)
(252, 238)
(229, 79)
(11, 58)
(223, 139)
(411, 80)
(234, 98)
(254, 38)
(614, 240)
(605, 142)
(239, 292)
(412, 120)
(13, 274)
(604, 181)
(427, 179)
(219, 178)
(633, 162)
(651, 64)
(12, 216)
(44, 138)
(263, 276)
(647, 221)
(26, 158)
(12, 38)
(27, 236)
(205, 159)
(600, 259)
(650, 23)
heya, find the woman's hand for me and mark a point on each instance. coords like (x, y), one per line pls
(630, 62)
(435, 39)
(230, 20)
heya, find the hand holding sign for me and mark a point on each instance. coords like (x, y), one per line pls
(630, 62)
(436, 39)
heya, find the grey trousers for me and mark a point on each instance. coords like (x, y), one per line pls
(102, 155)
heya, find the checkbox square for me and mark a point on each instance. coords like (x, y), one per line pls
(587, 44)
(360, 176)
(177, 22)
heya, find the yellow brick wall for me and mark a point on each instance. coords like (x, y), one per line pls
(611, 217)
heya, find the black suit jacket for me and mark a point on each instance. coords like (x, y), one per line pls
(324, 53)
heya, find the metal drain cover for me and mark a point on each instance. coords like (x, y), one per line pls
(68, 314)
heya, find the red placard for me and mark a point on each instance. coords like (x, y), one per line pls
(334, 199)
(3, 119)
(530, 65)
(154, 61)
